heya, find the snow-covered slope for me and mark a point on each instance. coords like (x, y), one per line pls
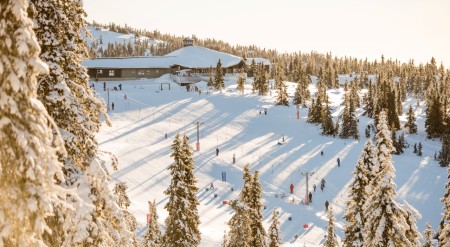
(234, 124)
(102, 37)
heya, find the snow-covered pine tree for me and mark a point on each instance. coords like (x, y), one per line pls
(444, 153)
(101, 222)
(124, 202)
(121, 195)
(385, 219)
(240, 230)
(182, 221)
(246, 193)
(152, 237)
(327, 121)
(193, 218)
(258, 233)
(349, 121)
(282, 98)
(331, 240)
(219, 82)
(274, 230)
(261, 81)
(225, 239)
(412, 215)
(411, 121)
(419, 149)
(429, 234)
(29, 139)
(354, 213)
(444, 229)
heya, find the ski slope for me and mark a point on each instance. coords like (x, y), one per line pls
(233, 123)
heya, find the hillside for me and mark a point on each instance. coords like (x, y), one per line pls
(234, 123)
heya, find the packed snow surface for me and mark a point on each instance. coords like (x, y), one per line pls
(237, 125)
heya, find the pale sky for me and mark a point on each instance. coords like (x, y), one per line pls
(402, 29)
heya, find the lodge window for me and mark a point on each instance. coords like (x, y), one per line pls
(111, 73)
(141, 72)
(99, 71)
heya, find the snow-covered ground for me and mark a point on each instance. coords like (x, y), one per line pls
(233, 123)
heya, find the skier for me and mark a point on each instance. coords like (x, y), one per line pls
(321, 153)
(323, 182)
(265, 111)
(120, 87)
(310, 196)
(104, 86)
(112, 106)
(217, 151)
(314, 186)
(338, 162)
(291, 188)
(326, 205)
(212, 186)
(234, 158)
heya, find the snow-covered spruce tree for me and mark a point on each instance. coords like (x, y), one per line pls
(219, 82)
(246, 193)
(444, 153)
(193, 220)
(152, 237)
(274, 230)
(182, 221)
(282, 98)
(385, 219)
(77, 112)
(327, 121)
(354, 213)
(240, 230)
(258, 233)
(225, 239)
(29, 139)
(444, 230)
(411, 121)
(124, 202)
(428, 233)
(331, 240)
(349, 121)
(412, 215)
(121, 195)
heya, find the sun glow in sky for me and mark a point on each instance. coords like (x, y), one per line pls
(402, 29)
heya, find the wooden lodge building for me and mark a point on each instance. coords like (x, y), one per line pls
(191, 58)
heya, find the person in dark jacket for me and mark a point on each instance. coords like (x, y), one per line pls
(217, 151)
(326, 205)
(310, 196)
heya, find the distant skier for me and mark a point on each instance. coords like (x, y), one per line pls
(321, 153)
(234, 158)
(120, 87)
(112, 106)
(310, 196)
(217, 151)
(265, 111)
(326, 205)
(212, 186)
(314, 186)
(104, 86)
(338, 162)
(291, 188)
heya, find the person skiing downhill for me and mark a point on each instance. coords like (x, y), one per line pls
(338, 162)
(217, 151)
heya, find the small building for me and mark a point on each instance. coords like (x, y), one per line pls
(197, 59)
(188, 42)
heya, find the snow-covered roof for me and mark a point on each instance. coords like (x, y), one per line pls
(131, 62)
(201, 57)
(189, 57)
(258, 60)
